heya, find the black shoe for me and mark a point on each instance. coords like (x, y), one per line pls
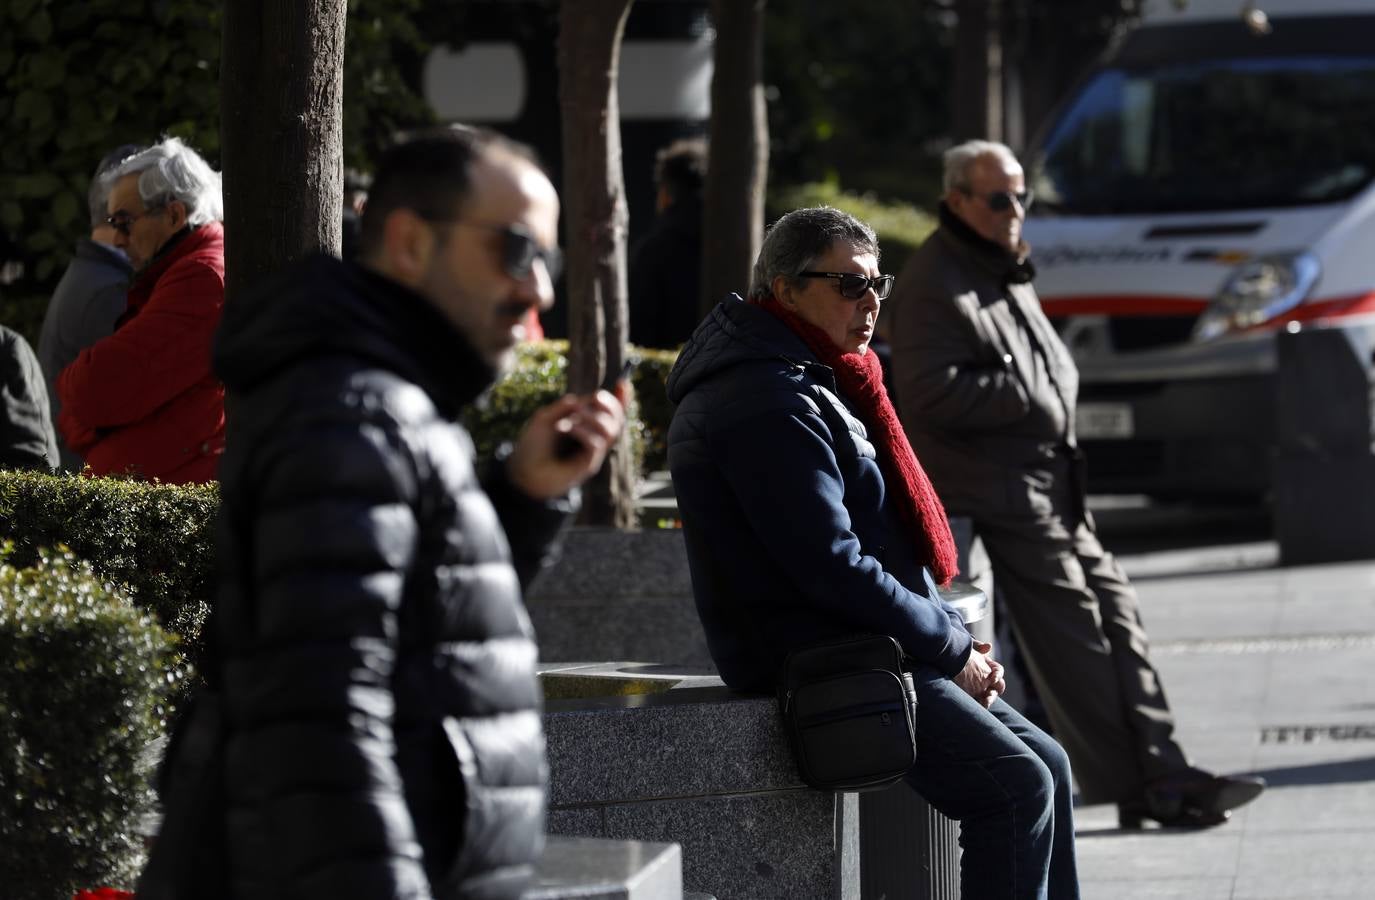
(1133, 816)
(1191, 798)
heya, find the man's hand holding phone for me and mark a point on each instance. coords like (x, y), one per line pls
(565, 442)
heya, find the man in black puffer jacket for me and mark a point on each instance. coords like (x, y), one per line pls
(375, 658)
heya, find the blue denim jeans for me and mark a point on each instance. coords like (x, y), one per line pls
(1008, 785)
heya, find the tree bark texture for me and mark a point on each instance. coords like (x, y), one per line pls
(977, 85)
(737, 169)
(281, 134)
(595, 212)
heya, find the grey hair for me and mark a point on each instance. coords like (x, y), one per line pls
(171, 171)
(960, 158)
(101, 181)
(797, 240)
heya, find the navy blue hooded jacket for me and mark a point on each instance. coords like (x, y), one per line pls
(790, 535)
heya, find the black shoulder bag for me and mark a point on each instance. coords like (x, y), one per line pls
(849, 708)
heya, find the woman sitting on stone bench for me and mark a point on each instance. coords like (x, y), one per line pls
(808, 517)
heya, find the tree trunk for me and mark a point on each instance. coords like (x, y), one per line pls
(977, 110)
(737, 169)
(281, 138)
(595, 212)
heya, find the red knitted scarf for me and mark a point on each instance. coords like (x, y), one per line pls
(860, 379)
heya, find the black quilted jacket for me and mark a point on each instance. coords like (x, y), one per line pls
(375, 656)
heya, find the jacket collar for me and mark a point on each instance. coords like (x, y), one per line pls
(177, 247)
(321, 306)
(1010, 268)
(440, 357)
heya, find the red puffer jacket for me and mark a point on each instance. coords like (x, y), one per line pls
(144, 400)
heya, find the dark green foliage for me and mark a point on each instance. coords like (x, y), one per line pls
(77, 79)
(856, 93)
(540, 376)
(655, 411)
(80, 78)
(82, 693)
(154, 540)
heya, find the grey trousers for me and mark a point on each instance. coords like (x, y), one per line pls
(1076, 619)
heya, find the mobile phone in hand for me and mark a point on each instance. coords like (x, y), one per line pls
(565, 445)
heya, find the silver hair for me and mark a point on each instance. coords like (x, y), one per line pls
(960, 158)
(797, 240)
(101, 182)
(171, 171)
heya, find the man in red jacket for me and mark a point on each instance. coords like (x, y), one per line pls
(143, 401)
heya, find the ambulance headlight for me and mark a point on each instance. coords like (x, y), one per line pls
(1257, 291)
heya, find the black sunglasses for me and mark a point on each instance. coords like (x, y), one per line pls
(854, 287)
(519, 248)
(123, 221)
(1001, 201)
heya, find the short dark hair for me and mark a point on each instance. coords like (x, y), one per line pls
(429, 171)
(796, 241)
(681, 168)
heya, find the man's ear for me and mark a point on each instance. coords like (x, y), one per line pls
(785, 290)
(176, 213)
(408, 246)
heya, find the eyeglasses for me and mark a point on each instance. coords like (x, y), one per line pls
(123, 221)
(853, 286)
(519, 248)
(1001, 201)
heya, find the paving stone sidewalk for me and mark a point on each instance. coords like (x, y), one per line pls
(1270, 671)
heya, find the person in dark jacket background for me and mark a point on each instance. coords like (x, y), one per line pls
(27, 440)
(666, 264)
(373, 651)
(808, 517)
(988, 394)
(91, 296)
(143, 400)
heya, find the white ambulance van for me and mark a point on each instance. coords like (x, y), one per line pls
(1208, 184)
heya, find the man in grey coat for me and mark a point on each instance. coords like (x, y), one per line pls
(987, 394)
(90, 296)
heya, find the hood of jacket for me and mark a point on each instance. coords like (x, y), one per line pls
(323, 307)
(737, 332)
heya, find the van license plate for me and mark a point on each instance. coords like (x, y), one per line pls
(1105, 420)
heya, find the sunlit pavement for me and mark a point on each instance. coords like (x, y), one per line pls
(1270, 671)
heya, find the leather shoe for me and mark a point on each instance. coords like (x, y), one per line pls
(1191, 798)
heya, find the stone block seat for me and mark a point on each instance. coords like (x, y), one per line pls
(664, 752)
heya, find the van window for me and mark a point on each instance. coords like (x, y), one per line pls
(1221, 134)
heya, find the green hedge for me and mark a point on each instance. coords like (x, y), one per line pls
(83, 689)
(155, 541)
(541, 375)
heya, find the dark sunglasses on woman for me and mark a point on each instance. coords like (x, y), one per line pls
(853, 286)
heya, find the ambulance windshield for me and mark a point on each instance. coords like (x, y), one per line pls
(1222, 134)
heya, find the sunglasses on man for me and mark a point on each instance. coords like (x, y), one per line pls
(853, 286)
(1001, 201)
(519, 249)
(123, 221)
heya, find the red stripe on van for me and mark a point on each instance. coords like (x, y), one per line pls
(1123, 305)
(1166, 305)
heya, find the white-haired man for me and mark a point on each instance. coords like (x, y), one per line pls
(143, 401)
(987, 393)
